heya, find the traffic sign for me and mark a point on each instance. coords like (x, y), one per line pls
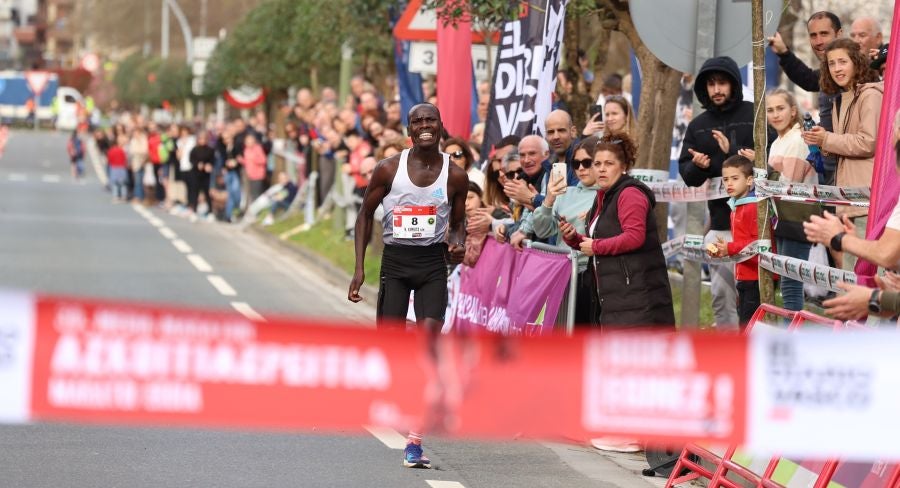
(669, 29)
(423, 59)
(204, 47)
(198, 67)
(37, 80)
(420, 24)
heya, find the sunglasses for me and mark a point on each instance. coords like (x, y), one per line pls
(584, 163)
(457, 154)
(518, 174)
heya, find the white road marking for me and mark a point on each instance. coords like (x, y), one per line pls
(155, 221)
(203, 267)
(221, 285)
(167, 233)
(17, 177)
(248, 312)
(444, 484)
(50, 178)
(388, 436)
(182, 246)
(141, 210)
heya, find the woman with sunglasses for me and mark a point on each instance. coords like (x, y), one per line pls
(630, 281)
(461, 155)
(572, 204)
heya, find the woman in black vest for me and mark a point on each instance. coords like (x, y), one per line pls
(631, 283)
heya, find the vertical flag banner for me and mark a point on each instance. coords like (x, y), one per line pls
(454, 76)
(525, 73)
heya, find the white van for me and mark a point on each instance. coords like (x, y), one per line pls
(68, 103)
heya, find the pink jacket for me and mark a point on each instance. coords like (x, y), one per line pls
(255, 162)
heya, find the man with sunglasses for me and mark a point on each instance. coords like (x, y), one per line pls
(424, 196)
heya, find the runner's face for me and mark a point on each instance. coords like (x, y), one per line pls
(425, 127)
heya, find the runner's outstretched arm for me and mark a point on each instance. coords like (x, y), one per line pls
(375, 193)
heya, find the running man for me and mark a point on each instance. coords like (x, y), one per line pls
(423, 195)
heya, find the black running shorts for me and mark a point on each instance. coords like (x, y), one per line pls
(422, 269)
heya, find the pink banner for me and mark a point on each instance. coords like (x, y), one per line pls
(511, 292)
(454, 76)
(885, 184)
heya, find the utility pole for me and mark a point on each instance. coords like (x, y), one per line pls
(164, 40)
(690, 292)
(203, 5)
(766, 284)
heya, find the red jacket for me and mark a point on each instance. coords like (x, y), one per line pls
(116, 157)
(744, 230)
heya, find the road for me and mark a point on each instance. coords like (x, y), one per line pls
(66, 237)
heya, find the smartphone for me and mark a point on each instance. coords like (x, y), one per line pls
(558, 172)
(595, 110)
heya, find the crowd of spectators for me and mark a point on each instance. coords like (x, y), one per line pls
(216, 170)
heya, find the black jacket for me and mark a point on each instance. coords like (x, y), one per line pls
(807, 78)
(734, 119)
(631, 289)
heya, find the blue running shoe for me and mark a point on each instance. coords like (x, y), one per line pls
(414, 458)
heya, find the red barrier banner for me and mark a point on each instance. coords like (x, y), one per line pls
(103, 362)
(807, 395)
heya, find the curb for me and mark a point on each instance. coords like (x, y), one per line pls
(323, 268)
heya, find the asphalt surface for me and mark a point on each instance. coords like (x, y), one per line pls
(61, 236)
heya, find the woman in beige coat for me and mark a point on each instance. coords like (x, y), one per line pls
(856, 115)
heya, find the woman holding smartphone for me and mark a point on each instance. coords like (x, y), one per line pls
(616, 117)
(571, 204)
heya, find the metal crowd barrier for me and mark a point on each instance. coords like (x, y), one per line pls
(566, 316)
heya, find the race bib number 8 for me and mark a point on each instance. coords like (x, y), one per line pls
(413, 222)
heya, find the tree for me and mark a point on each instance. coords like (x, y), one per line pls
(659, 92)
(283, 43)
(487, 17)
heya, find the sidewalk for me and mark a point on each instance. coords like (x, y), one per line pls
(610, 470)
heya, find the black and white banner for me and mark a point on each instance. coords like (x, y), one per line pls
(525, 73)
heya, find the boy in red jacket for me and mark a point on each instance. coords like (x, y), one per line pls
(737, 175)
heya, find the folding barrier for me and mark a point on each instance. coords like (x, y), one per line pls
(725, 463)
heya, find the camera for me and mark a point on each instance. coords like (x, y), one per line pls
(880, 58)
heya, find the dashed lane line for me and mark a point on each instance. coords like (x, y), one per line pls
(201, 264)
(49, 178)
(248, 312)
(221, 285)
(444, 484)
(156, 221)
(167, 233)
(182, 246)
(17, 177)
(388, 436)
